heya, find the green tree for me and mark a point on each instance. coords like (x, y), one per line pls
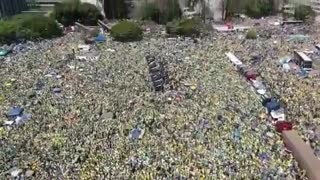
(160, 11)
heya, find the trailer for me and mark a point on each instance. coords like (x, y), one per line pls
(303, 60)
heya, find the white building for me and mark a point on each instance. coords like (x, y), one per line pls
(213, 8)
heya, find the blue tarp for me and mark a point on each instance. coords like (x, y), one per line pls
(265, 101)
(15, 112)
(4, 52)
(100, 38)
(136, 133)
(273, 105)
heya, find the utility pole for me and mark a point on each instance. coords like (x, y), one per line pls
(226, 6)
(204, 11)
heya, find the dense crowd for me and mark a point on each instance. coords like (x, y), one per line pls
(101, 119)
(299, 93)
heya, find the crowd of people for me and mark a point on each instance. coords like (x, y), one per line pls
(102, 119)
(299, 94)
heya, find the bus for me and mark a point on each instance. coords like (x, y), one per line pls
(303, 60)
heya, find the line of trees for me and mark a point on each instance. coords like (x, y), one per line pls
(117, 9)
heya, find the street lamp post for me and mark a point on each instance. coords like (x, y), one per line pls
(204, 11)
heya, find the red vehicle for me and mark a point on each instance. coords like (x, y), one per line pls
(249, 73)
